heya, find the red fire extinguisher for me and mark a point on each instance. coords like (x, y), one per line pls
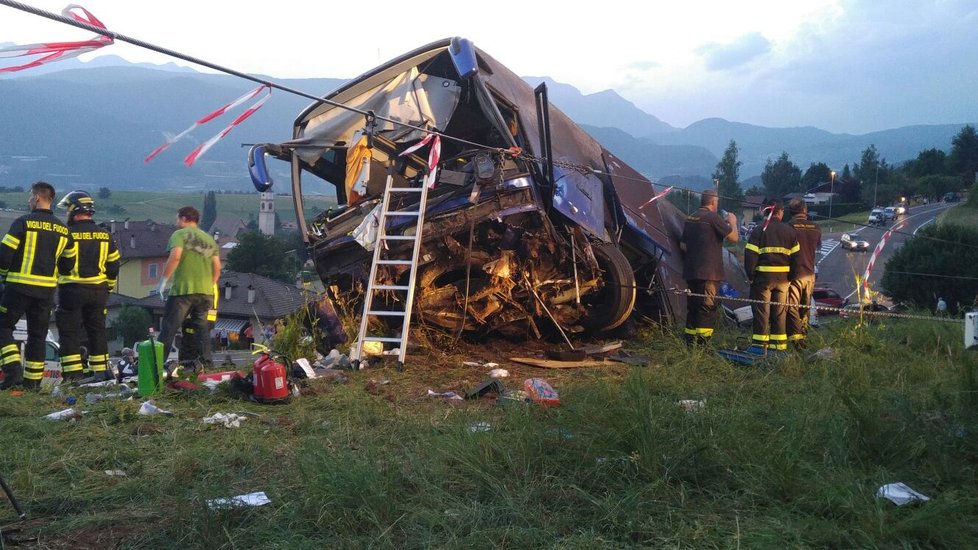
(271, 381)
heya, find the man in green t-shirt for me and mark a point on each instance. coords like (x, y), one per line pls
(194, 266)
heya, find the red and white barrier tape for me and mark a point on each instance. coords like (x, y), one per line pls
(58, 51)
(203, 147)
(433, 156)
(657, 197)
(876, 253)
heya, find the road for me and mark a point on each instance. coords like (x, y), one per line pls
(838, 267)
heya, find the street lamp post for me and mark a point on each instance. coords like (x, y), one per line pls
(831, 191)
(876, 185)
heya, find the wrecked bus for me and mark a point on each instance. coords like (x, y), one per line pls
(531, 221)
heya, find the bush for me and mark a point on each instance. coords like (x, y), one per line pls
(944, 256)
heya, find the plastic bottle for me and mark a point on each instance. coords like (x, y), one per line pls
(150, 370)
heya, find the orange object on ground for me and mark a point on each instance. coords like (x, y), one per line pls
(540, 391)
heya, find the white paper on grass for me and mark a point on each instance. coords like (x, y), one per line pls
(899, 493)
(306, 367)
(446, 395)
(250, 499)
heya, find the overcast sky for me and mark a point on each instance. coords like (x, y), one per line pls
(842, 65)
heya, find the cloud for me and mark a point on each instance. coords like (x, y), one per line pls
(720, 57)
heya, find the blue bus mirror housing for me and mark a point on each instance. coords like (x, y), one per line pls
(258, 169)
(463, 57)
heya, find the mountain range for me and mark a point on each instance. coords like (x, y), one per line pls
(88, 125)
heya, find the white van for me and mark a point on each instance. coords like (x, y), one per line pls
(52, 353)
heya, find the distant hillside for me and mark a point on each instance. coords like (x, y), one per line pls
(603, 109)
(91, 127)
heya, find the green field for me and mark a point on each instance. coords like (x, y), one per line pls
(788, 455)
(162, 207)
(960, 215)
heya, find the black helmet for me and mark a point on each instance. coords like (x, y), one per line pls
(78, 202)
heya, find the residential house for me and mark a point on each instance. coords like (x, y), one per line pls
(751, 207)
(245, 298)
(225, 231)
(143, 251)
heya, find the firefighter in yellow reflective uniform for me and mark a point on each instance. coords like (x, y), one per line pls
(769, 259)
(84, 293)
(34, 251)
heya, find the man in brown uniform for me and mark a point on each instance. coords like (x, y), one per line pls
(702, 240)
(803, 277)
(769, 259)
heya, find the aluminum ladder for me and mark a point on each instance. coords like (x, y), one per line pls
(380, 259)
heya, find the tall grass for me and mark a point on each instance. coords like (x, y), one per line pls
(789, 455)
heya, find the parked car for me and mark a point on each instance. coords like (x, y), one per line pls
(889, 213)
(853, 243)
(530, 222)
(826, 297)
(875, 216)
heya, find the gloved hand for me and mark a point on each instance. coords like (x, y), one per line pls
(161, 288)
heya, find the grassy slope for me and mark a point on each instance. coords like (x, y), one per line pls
(961, 214)
(790, 456)
(162, 207)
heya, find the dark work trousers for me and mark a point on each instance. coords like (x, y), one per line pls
(82, 308)
(701, 311)
(194, 308)
(799, 293)
(770, 317)
(37, 309)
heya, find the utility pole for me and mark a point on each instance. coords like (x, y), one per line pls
(876, 185)
(831, 191)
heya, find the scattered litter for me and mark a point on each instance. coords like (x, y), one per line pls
(499, 373)
(372, 348)
(115, 473)
(66, 414)
(692, 405)
(306, 367)
(148, 409)
(480, 427)
(554, 364)
(823, 354)
(332, 357)
(229, 420)
(540, 391)
(603, 348)
(513, 397)
(395, 351)
(125, 392)
(100, 384)
(445, 395)
(489, 386)
(250, 499)
(630, 360)
(899, 493)
(71, 400)
(488, 365)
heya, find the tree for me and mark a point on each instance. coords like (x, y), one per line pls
(780, 177)
(727, 173)
(209, 213)
(963, 159)
(937, 263)
(931, 162)
(104, 192)
(265, 255)
(132, 324)
(817, 174)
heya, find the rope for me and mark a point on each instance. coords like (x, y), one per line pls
(862, 311)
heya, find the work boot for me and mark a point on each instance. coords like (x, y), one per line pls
(31, 384)
(13, 375)
(72, 377)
